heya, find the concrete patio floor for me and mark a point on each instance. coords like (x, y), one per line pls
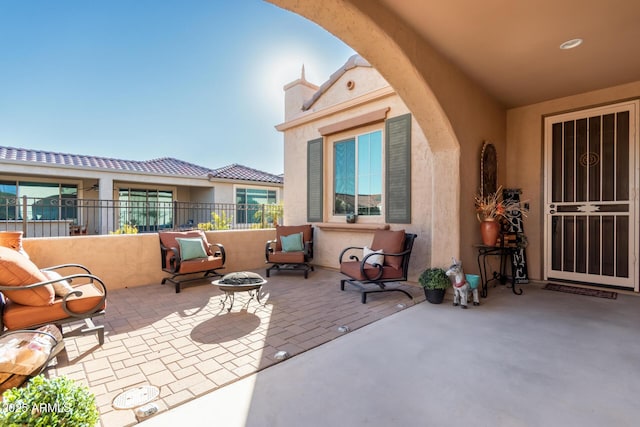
(187, 345)
(544, 358)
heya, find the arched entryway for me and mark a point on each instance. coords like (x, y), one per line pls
(409, 65)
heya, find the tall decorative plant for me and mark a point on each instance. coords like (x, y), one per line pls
(492, 211)
(492, 207)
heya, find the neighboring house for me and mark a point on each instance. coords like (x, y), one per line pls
(361, 152)
(81, 180)
(564, 123)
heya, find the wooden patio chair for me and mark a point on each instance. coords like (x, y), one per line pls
(386, 261)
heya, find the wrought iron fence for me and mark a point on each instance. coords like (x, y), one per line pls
(55, 216)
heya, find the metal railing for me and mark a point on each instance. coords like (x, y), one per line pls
(48, 217)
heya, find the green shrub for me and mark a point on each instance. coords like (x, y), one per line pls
(221, 222)
(272, 214)
(218, 222)
(126, 229)
(205, 226)
(49, 402)
(434, 278)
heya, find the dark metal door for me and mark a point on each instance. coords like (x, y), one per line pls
(590, 196)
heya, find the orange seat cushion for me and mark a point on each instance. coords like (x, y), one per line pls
(18, 316)
(287, 257)
(391, 242)
(17, 270)
(352, 269)
(198, 265)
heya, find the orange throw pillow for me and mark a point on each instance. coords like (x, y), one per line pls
(17, 270)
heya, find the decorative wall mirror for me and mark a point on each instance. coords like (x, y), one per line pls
(488, 169)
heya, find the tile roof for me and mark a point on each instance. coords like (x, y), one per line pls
(161, 166)
(236, 171)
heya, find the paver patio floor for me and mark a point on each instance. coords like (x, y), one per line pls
(187, 344)
(541, 359)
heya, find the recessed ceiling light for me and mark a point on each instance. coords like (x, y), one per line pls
(570, 44)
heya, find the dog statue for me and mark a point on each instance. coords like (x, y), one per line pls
(461, 287)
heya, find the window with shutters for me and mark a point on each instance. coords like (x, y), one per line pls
(398, 169)
(364, 170)
(357, 175)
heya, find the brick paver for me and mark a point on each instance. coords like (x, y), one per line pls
(187, 344)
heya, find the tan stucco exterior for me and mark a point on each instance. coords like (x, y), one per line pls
(525, 155)
(359, 91)
(456, 115)
(124, 261)
(97, 184)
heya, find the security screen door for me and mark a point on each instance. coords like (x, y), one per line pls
(591, 196)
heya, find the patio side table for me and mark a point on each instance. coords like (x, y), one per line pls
(500, 251)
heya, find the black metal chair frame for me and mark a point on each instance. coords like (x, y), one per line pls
(175, 261)
(377, 278)
(305, 266)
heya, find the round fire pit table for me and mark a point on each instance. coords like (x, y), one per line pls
(244, 281)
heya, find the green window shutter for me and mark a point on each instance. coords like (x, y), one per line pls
(398, 170)
(314, 180)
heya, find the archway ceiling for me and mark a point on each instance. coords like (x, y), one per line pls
(511, 48)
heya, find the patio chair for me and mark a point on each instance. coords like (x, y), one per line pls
(31, 297)
(291, 250)
(186, 254)
(370, 269)
(79, 230)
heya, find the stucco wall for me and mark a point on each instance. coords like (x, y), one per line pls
(455, 113)
(329, 243)
(123, 261)
(364, 81)
(525, 151)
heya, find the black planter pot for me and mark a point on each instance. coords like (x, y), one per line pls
(434, 296)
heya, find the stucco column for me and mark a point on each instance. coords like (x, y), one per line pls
(105, 195)
(445, 230)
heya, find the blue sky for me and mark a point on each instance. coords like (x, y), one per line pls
(198, 80)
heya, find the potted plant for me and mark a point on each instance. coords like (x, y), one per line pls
(49, 402)
(492, 210)
(435, 282)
